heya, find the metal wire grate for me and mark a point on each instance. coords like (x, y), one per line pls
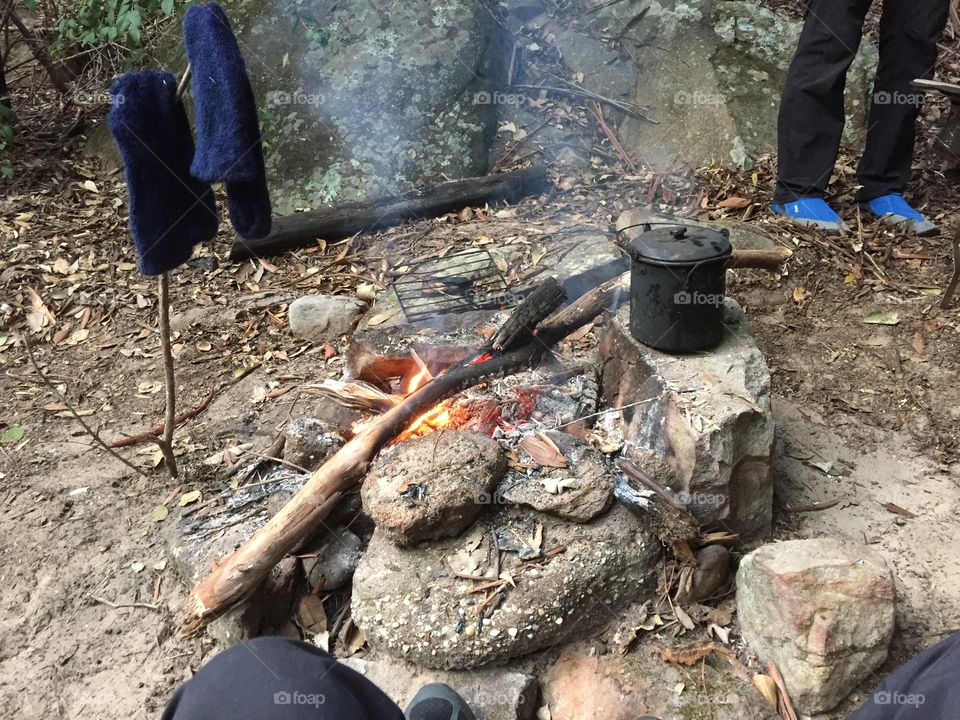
(467, 280)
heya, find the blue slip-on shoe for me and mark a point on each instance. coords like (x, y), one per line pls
(894, 210)
(811, 212)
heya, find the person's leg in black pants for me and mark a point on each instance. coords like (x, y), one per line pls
(272, 678)
(925, 688)
(278, 679)
(811, 107)
(909, 30)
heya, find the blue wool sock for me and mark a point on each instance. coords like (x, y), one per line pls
(170, 212)
(228, 132)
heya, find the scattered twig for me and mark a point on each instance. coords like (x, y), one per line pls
(158, 429)
(614, 140)
(169, 378)
(811, 507)
(79, 418)
(784, 704)
(118, 606)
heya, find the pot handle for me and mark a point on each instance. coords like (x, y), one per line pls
(760, 259)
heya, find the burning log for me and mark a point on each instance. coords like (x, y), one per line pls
(302, 229)
(241, 573)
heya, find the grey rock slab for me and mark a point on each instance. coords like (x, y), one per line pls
(578, 492)
(707, 415)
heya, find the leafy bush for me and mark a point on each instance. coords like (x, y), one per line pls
(94, 23)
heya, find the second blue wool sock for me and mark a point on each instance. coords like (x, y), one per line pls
(228, 132)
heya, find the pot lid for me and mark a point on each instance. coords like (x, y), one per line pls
(681, 244)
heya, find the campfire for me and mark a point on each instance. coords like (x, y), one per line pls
(545, 408)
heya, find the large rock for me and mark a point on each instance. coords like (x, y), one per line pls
(367, 99)
(324, 317)
(416, 603)
(707, 420)
(432, 487)
(823, 610)
(719, 102)
(493, 694)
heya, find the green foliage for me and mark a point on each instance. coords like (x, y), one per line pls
(301, 15)
(6, 139)
(95, 23)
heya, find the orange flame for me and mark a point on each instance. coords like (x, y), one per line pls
(436, 417)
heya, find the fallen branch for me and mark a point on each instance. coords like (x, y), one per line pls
(157, 430)
(303, 229)
(240, 573)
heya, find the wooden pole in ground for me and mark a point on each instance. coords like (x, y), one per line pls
(169, 378)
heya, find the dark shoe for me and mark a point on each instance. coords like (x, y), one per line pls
(437, 701)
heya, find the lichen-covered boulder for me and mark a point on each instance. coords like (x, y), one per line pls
(558, 582)
(717, 101)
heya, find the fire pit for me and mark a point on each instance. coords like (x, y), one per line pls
(488, 443)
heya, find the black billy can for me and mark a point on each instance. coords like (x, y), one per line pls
(677, 286)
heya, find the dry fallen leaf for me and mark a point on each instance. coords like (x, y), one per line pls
(190, 497)
(311, 615)
(897, 510)
(767, 688)
(683, 618)
(734, 203)
(543, 450)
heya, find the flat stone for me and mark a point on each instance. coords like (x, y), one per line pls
(411, 603)
(322, 318)
(707, 415)
(585, 685)
(578, 492)
(823, 610)
(492, 694)
(432, 487)
(743, 236)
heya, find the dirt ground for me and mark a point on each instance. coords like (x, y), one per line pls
(867, 413)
